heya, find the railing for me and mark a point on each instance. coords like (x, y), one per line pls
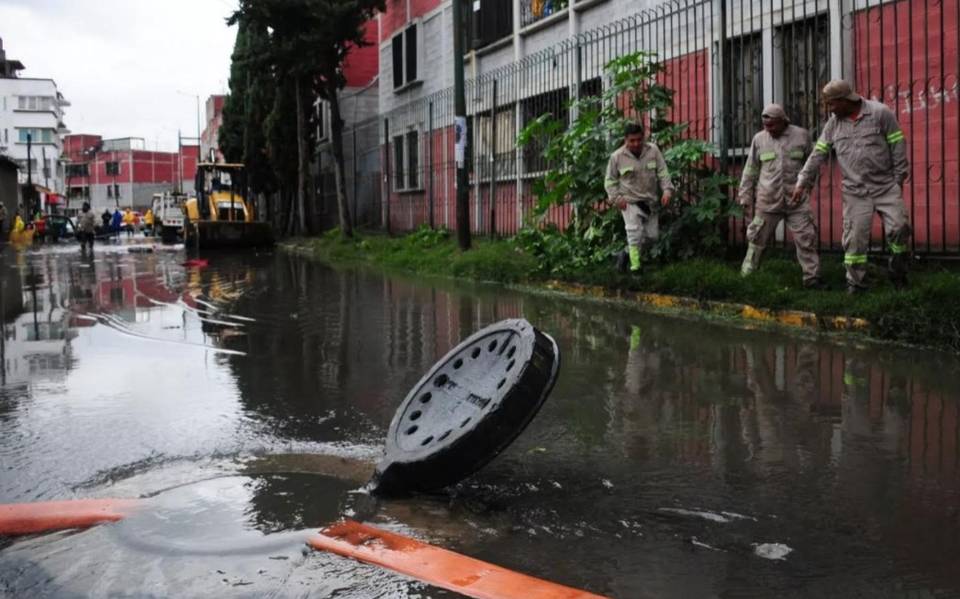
(903, 53)
(532, 11)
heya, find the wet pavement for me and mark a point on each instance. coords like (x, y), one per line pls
(246, 402)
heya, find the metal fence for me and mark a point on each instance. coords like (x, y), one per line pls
(724, 59)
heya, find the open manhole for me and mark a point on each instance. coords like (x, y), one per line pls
(468, 407)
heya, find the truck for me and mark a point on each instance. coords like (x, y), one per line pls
(219, 215)
(168, 216)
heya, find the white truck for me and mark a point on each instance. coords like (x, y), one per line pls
(168, 216)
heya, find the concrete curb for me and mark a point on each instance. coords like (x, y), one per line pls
(787, 318)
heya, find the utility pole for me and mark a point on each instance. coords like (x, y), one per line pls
(460, 130)
(29, 202)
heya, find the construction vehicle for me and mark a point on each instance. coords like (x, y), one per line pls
(220, 215)
(168, 216)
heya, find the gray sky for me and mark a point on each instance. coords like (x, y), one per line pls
(121, 63)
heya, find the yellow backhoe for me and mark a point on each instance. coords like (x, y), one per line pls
(220, 215)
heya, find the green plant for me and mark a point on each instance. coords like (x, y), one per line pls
(577, 156)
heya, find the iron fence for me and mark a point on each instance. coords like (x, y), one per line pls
(723, 59)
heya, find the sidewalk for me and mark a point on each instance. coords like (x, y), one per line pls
(926, 314)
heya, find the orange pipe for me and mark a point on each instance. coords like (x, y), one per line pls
(436, 566)
(30, 518)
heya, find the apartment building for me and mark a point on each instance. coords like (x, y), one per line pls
(31, 124)
(723, 59)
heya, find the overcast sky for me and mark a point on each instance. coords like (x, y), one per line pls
(121, 63)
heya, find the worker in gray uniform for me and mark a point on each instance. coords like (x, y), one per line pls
(634, 172)
(871, 152)
(776, 156)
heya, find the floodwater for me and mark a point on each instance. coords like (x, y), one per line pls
(245, 403)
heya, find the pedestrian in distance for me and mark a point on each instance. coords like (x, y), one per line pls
(870, 150)
(115, 222)
(105, 219)
(3, 219)
(769, 176)
(636, 178)
(87, 225)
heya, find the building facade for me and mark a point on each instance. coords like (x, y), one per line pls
(209, 138)
(359, 109)
(121, 173)
(723, 60)
(31, 125)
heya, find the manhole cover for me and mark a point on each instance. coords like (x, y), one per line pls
(468, 407)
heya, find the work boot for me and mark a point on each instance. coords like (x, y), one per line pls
(855, 289)
(623, 262)
(635, 263)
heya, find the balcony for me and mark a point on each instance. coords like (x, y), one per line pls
(532, 11)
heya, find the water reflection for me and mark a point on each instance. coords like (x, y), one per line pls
(667, 451)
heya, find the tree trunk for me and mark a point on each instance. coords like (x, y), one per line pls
(336, 134)
(301, 160)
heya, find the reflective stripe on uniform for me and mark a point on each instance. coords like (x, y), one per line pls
(851, 259)
(796, 154)
(663, 174)
(610, 182)
(895, 137)
(897, 248)
(652, 165)
(625, 170)
(822, 147)
(750, 171)
(766, 156)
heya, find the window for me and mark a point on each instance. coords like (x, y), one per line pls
(553, 103)
(406, 54)
(499, 143)
(46, 167)
(37, 136)
(406, 161)
(746, 88)
(413, 160)
(321, 120)
(113, 168)
(806, 67)
(77, 170)
(492, 21)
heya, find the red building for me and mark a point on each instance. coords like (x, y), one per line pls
(209, 139)
(117, 173)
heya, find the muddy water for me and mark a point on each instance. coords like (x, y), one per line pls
(245, 403)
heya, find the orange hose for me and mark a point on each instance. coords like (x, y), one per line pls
(30, 518)
(436, 566)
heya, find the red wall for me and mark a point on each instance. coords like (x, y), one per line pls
(907, 61)
(363, 64)
(395, 17)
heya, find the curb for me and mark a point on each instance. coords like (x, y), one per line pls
(787, 318)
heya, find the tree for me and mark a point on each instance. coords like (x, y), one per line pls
(242, 136)
(309, 40)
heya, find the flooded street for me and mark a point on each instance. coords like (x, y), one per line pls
(247, 402)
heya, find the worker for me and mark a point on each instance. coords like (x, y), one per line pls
(776, 156)
(148, 220)
(87, 224)
(18, 225)
(633, 174)
(128, 221)
(870, 149)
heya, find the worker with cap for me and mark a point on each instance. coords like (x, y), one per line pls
(633, 174)
(776, 156)
(870, 149)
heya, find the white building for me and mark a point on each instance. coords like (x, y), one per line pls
(32, 108)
